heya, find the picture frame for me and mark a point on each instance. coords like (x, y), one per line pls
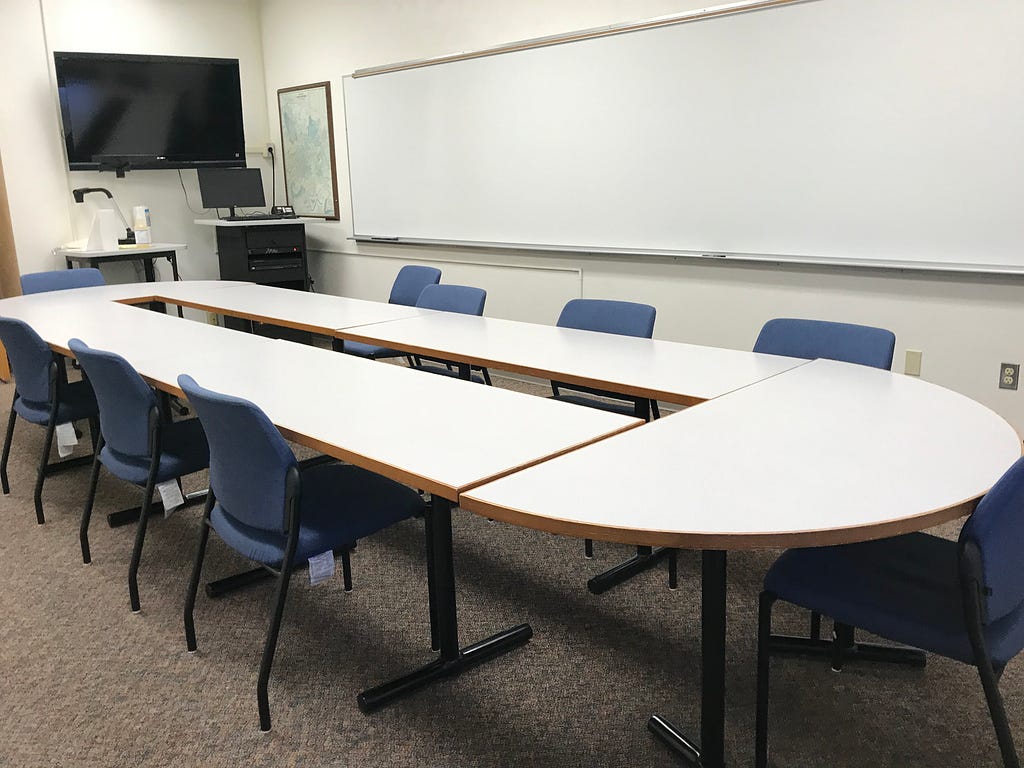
(307, 150)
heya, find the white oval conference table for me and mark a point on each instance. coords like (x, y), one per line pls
(786, 453)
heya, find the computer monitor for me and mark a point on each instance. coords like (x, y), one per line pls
(231, 188)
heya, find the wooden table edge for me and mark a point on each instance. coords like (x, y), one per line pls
(722, 541)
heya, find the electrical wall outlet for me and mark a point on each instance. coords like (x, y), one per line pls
(1009, 374)
(212, 318)
(912, 363)
(269, 149)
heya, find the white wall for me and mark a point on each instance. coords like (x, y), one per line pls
(964, 325)
(30, 133)
(34, 167)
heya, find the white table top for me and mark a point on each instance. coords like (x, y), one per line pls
(821, 453)
(662, 370)
(124, 250)
(826, 453)
(316, 312)
(435, 433)
(134, 333)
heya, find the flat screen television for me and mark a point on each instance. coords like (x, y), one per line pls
(123, 112)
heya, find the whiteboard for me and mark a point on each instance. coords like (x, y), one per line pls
(848, 130)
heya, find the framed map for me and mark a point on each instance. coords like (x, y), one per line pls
(307, 150)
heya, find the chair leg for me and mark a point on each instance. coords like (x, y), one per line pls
(94, 432)
(197, 570)
(41, 475)
(140, 537)
(673, 568)
(841, 643)
(346, 568)
(8, 438)
(764, 636)
(655, 411)
(486, 375)
(270, 647)
(83, 528)
(588, 548)
(990, 682)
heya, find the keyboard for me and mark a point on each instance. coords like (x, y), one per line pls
(257, 217)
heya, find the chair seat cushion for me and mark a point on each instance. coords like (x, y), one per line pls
(339, 504)
(368, 350)
(183, 451)
(626, 409)
(77, 401)
(442, 371)
(904, 588)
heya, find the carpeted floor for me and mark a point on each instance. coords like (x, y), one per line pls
(83, 682)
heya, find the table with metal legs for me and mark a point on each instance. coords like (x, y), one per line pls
(768, 466)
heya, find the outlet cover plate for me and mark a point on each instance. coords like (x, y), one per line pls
(1009, 375)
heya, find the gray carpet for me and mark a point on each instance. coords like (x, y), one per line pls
(83, 682)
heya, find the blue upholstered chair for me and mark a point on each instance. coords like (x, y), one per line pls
(136, 444)
(60, 279)
(269, 510)
(823, 339)
(625, 318)
(408, 286)
(464, 300)
(42, 396)
(811, 339)
(960, 599)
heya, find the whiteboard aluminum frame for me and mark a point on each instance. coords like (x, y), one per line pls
(700, 14)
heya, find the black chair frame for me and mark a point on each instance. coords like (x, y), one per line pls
(283, 574)
(58, 380)
(156, 422)
(972, 589)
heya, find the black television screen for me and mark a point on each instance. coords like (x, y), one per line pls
(127, 111)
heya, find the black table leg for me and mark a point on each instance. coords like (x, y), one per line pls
(710, 753)
(453, 659)
(644, 559)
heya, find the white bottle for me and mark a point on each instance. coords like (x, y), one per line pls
(143, 235)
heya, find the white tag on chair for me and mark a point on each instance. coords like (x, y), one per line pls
(67, 439)
(321, 567)
(170, 495)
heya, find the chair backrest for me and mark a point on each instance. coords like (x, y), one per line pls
(60, 280)
(626, 318)
(249, 460)
(997, 528)
(410, 282)
(463, 299)
(811, 339)
(30, 359)
(124, 398)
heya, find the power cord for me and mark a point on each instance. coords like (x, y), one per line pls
(181, 181)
